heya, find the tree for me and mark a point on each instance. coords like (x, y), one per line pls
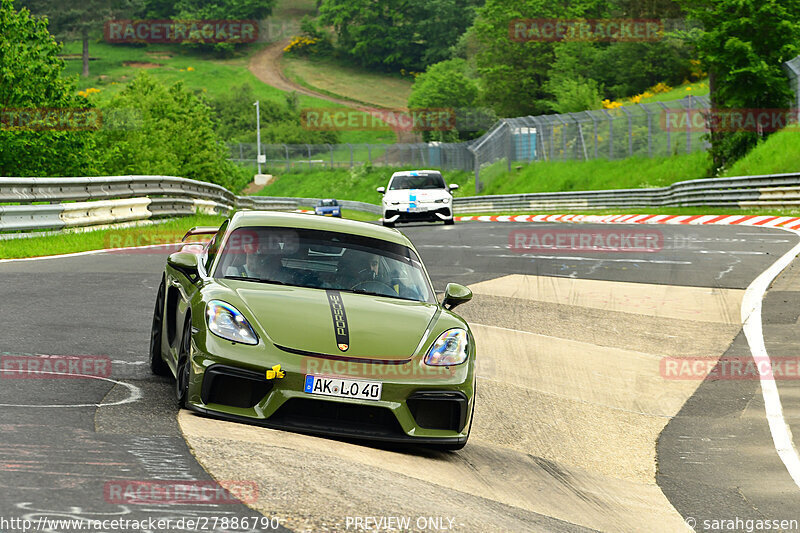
(397, 33)
(218, 10)
(79, 18)
(742, 45)
(170, 131)
(280, 123)
(30, 81)
(445, 85)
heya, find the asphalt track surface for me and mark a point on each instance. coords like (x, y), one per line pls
(705, 454)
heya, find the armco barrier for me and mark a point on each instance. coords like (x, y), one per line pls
(777, 190)
(78, 202)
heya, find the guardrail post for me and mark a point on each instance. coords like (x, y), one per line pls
(288, 162)
(369, 153)
(308, 151)
(330, 146)
(351, 154)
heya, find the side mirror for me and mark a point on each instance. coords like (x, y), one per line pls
(381, 190)
(185, 263)
(455, 294)
(453, 186)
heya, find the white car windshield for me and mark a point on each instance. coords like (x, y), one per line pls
(422, 181)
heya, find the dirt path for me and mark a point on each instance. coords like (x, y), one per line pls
(265, 65)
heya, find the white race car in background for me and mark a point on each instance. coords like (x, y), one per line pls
(417, 196)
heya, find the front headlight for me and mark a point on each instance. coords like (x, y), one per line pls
(450, 348)
(443, 200)
(225, 321)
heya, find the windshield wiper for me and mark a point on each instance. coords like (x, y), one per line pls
(257, 280)
(370, 293)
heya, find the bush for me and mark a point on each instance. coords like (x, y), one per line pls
(170, 131)
(446, 85)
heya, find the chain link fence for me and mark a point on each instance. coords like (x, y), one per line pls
(647, 130)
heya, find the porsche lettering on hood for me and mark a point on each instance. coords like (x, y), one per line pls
(339, 315)
(308, 320)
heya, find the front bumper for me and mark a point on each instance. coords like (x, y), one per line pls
(423, 409)
(433, 213)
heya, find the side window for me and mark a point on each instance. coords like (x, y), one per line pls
(213, 248)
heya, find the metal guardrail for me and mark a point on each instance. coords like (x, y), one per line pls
(776, 190)
(60, 203)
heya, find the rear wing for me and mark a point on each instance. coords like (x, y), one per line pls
(201, 230)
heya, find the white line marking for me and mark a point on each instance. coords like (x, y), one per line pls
(597, 259)
(751, 323)
(134, 392)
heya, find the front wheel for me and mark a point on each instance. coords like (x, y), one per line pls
(388, 224)
(184, 365)
(157, 364)
(449, 222)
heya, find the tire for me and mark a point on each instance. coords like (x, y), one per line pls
(388, 224)
(157, 364)
(449, 222)
(182, 371)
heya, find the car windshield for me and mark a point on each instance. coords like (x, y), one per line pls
(422, 181)
(327, 203)
(324, 260)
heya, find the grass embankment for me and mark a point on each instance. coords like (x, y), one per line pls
(80, 241)
(349, 82)
(358, 183)
(161, 232)
(595, 174)
(780, 153)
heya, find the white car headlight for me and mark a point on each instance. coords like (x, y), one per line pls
(225, 321)
(450, 348)
(443, 200)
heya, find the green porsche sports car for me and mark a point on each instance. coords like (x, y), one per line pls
(315, 325)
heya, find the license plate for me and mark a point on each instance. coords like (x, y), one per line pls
(417, 209)
(343, 388)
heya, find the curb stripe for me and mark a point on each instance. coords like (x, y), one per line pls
(771, 221)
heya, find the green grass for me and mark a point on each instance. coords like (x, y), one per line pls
(349, 82)
(595, 174)
(170, 63)
(778, 154)
(71, 242)
(358, 183)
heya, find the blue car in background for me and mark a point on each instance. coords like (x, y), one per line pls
(328, 208)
